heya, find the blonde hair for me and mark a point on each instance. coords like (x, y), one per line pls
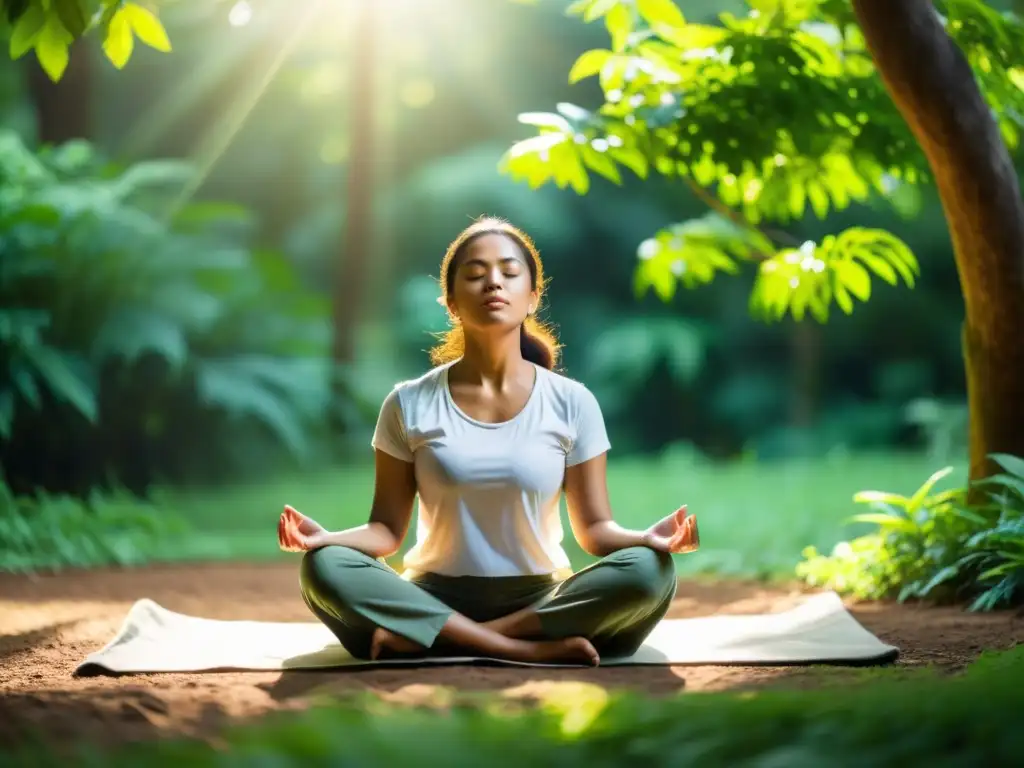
(538, 342)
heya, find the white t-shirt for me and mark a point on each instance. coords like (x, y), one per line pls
(489, 493)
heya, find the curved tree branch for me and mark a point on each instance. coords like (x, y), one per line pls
(737, 218)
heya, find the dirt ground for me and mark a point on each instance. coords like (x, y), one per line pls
(50, 623)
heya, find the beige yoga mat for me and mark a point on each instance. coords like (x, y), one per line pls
(153, 639)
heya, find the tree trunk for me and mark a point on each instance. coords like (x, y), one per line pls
(63, 109)
(805, 369)
(353, 266)
(934, 89)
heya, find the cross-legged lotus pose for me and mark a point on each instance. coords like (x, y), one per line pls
(488, 440)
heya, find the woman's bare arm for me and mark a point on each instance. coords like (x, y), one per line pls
(393, 495)
(590, 513)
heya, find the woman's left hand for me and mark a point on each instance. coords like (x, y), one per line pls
(298, 533)
(675, 534)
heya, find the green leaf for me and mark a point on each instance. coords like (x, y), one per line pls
(601, 163)
(797, 199)
(1003, 481)
(589, 64)
(661, 13)
(130, 333)
(597, 9)
(692, 36)
(880, 497)
(546, 120)
(71, 16)
(922, 493)
(119, 42)
(60, 378)
(147, 27)
(843, 298)
(632, 158)
(52, 48)
(23, 376)
(1012, 464)
(819, 199)
(692, 253)
(656, 275)
(999, 570)
(879, 266)
(619, 23)
(529, 160)
(886, 521)
(875, 247)
(855, 278)
(25, 32)
(945, 574)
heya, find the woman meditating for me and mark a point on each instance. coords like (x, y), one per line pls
(488, 440)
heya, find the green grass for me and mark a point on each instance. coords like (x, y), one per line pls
(755, 519)
(920, 718)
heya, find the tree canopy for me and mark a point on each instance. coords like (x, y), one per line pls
(767, 117)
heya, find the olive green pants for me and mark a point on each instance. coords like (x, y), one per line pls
(614, 603)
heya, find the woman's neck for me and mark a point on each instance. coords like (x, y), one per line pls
(495, 361)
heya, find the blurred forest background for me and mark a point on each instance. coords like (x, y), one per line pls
(181, 325)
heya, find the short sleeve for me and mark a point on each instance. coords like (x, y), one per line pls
(591, 435)
(389, 435)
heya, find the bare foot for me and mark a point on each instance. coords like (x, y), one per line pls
(387, 644)
(571, 650)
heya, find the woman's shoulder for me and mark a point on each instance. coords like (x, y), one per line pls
(572, 392)
(424, 384)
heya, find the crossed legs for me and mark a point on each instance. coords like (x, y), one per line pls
(607, 608)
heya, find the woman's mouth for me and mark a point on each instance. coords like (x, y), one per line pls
(495, 303)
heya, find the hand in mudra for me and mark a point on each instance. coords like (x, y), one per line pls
(675, 534)
(298, 533)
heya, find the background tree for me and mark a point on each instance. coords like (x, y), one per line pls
(815, 105)
(932, 85)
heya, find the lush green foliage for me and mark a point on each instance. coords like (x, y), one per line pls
(942, 546)
(767, 117)
(47, 532)
(50, 28)
(137, 326)
(908, 719)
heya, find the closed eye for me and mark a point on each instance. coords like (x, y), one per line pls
(483, 275)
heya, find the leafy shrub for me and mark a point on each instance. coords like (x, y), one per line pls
(138, 329)
(965, 543)
(50, 532)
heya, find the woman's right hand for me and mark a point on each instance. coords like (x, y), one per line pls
(676, 534)
(298, 533)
